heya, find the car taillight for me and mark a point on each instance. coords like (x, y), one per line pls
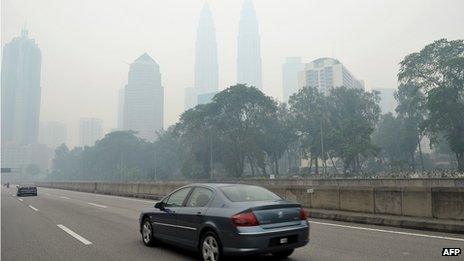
(245, 220)
(303, 214)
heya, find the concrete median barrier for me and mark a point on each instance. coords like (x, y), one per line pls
(357, 199)
(325, 198)
(388, 201)
(416, 202)
(448, 203)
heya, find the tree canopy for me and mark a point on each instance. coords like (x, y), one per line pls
(438, 71)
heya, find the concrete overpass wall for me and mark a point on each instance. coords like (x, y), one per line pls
(440, 199)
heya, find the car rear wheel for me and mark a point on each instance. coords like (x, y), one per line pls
(283, 254)
(210, 247)
(147, 233)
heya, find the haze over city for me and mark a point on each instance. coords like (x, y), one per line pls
(232, 129)
(87, 45)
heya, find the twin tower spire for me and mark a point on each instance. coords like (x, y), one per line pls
(248, 52)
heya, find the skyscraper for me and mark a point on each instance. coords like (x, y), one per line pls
(144, 98)
(249, 54)
(21, 65)
(290, 70)
(206, 61)
(90, 130)
(327, 73)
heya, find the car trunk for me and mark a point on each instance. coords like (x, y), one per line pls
(277, 214)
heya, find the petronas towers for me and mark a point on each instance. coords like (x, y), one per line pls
(249, 47)
(206, 61)
(206, 55)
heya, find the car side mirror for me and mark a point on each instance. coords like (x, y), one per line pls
(159, 205)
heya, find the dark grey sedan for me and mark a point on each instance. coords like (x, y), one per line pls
(226, 219)
(26, 190)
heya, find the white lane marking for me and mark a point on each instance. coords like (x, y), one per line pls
(63, 197)
(75, 235)
(389, 231)
(48, 194)
(20, 199)
(33, 208)
(97, 205)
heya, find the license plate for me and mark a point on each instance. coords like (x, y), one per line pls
(284, 240)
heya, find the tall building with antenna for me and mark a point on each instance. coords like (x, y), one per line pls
(248, 49)
(21, 68)
(206, 59)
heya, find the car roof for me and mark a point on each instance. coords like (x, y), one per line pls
(217, 185)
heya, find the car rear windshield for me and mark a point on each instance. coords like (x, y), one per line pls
(242, 193)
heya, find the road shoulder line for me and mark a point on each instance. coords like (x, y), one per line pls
(388, 231)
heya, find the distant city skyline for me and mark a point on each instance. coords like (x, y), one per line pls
(363, 34)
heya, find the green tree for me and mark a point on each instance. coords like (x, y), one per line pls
(411, 111)
(240, 124)
(240, 112)
(278, 134)
(389, 136)
(167, 154)
(438, 70)
(307, 108)
(196, 133)
(60, 161)
(355, 114)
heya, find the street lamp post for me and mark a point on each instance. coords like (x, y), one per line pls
(154, 161)
(210, 157)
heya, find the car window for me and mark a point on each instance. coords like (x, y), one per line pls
(199, 197)
(177, 198)
(242, 193)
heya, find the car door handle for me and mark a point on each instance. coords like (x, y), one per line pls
(198, 213)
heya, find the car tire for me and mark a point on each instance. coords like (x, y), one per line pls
(147, 233)
(210, 247)
(283, 254)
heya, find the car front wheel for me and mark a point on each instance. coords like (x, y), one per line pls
(210, 247)
(283, 254)
(147, 233)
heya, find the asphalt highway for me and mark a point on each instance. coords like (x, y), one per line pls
(69, 225)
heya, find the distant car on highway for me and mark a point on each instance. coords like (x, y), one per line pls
(26, 190)
(226, 219)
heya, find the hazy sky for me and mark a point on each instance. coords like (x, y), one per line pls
(87, 44)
